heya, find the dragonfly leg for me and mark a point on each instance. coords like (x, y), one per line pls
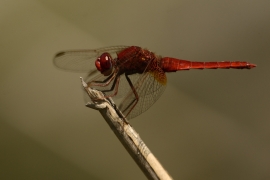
(105, 82)
(114, 87)
(133, 103)
(110, 84)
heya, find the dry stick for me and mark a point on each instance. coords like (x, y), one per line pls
(127, 135)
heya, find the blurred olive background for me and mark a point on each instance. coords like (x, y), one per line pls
(209, 124)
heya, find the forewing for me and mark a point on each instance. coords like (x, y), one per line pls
(83, 60)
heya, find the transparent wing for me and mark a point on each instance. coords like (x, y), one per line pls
(148, 88)
(83, 60)
(139, 91)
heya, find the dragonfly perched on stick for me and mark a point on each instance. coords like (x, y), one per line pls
(131, 72)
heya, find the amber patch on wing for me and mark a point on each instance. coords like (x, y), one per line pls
(160, 76)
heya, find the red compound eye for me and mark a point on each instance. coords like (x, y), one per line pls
(97, 63)
(104, 63)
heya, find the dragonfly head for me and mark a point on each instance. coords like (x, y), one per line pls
(105, 64)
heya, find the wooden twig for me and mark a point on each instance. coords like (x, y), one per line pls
(127, 135)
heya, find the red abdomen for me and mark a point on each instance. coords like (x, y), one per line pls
(171, 65)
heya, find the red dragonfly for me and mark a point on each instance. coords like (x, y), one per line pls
(132, 73)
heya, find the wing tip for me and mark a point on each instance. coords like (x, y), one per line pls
(62, 53)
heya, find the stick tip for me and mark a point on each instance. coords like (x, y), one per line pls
(83, 83)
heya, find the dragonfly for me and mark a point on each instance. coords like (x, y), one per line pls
(132, 74)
